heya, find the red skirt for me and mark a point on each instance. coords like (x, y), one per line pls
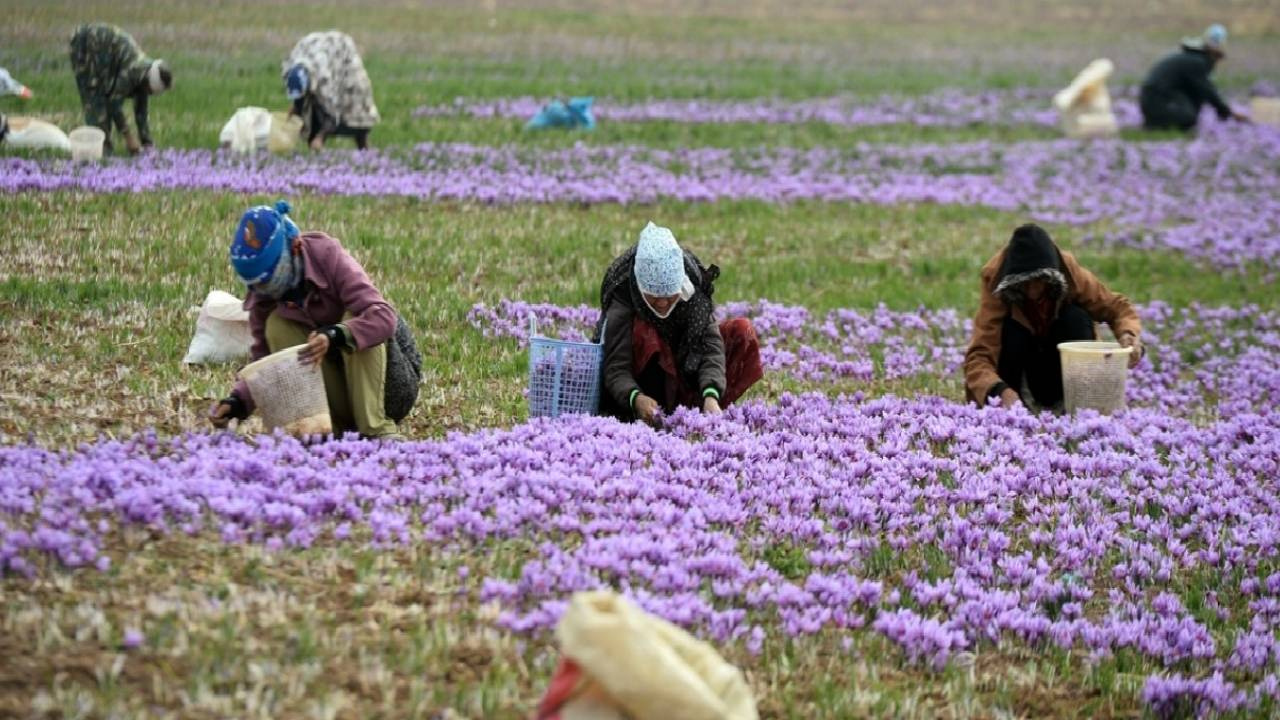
(742, 367)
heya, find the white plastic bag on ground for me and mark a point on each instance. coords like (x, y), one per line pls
(1085, 104)
(640, 667)
(247, 130)
(33, 134)
(222, 331)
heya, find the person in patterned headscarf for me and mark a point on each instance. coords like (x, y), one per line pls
(110, 68)
(325, 78)
(662, 345)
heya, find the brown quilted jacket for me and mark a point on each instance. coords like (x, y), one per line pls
(1083, 288)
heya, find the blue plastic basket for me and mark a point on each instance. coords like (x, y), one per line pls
(564, 376)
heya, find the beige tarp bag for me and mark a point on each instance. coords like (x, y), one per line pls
(1085, 104)
(641, 667)
(247, 130)
(289, 395)
(1265, 110)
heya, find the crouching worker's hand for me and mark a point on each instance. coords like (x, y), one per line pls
(328, 340)
(646, 408)
(711, 406)
(228, 409)
(1009, 398)
(1132, 340)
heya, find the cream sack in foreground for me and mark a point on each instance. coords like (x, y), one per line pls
(622, 663)
(1085, 104)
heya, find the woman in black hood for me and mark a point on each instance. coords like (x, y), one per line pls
(1034, 296)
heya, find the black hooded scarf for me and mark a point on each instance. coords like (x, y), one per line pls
(1031, 255)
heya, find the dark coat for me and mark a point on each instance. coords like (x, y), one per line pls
(1082, 288)
(690, 329)
(1180, 84)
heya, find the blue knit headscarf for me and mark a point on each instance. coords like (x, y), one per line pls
(296, 82)
(262, 238)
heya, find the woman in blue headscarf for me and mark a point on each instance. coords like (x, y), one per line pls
(305, 289)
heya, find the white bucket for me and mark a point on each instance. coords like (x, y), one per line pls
(288, 394)
(86, 143)
(1093, 375)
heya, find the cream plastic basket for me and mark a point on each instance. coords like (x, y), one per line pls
(86, 143)
(1093, 375)
(1265, 110)
(285, 131)
(288, 394)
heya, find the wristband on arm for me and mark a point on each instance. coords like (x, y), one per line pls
(339, 340)
(998, 388)
(238, 409)
(631, 401)
(711, 392)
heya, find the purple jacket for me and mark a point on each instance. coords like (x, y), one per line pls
(335, 284)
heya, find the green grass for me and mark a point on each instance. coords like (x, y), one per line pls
(96, 291)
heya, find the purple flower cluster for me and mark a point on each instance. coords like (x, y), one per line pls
(1202, 360)
(1212, 197)
(940, 526)
(949, 107)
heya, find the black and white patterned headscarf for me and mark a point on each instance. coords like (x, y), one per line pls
(684, 328)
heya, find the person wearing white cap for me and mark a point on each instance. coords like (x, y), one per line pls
(662, 345)
(110, 68)
(1179, 85)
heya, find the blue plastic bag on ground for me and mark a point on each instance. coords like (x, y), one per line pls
(574, 114)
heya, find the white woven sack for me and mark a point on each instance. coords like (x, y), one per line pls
(222, 331)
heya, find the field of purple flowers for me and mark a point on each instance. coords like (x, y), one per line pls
(945, 108)
(1212, 198)
(1146, 542)
(855, 538)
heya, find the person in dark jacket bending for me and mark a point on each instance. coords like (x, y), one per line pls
(1179, 85)
(662, 345)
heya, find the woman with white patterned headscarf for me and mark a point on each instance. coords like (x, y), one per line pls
(325, 78)
(662, 345)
